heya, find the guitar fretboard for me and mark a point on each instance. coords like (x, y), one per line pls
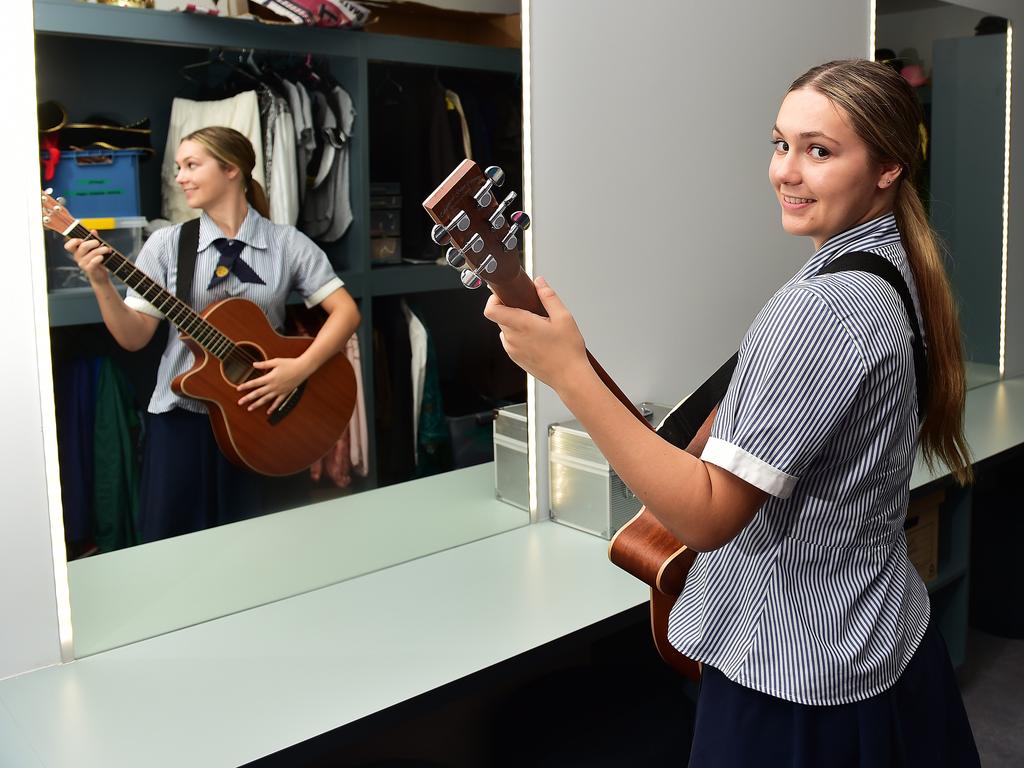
(186, 319)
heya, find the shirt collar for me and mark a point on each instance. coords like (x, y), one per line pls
(253, 231)
(874, 233)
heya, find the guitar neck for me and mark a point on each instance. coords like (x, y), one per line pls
(520, 292)
(186, 319)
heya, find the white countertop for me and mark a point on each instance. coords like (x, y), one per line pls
(243, 686)
(131, 594)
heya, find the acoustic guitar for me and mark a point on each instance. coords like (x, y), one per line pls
(483, 241)
(226, 339)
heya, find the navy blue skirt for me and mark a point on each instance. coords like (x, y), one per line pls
(920, 721)
(187, 485)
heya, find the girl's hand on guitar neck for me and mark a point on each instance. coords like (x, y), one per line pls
(88, 256)
(550, 348)
(283, 375)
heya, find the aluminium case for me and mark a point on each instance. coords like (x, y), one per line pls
(585, 492)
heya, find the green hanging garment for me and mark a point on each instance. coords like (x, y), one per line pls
(116, 474)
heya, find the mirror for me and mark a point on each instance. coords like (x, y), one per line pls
(413, 472)
(956, 57)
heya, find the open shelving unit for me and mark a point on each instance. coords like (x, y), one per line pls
(126, 60)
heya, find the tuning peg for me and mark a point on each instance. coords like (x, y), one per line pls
(471, 278)
(455, 258)
(440, 234)
(521, 220)
(62, 200)
(495, 174)
(520, 223)
(48, 191)
(459, 222)
(495, 178)
(497, 219)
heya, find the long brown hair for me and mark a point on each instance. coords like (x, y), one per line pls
(884, 111)
(230, 147)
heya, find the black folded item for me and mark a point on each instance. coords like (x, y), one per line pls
(991, 25)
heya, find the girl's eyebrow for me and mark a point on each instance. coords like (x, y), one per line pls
(809, 135)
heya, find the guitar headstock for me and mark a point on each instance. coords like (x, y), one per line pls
(483, 233)
(55, 215)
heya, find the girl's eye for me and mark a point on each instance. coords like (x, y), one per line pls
(781, 145)
(822, 153)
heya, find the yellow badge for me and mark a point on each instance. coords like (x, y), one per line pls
(221, 271)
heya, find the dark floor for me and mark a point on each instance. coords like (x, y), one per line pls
(992, 681)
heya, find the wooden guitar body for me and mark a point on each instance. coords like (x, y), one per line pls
(303, 430)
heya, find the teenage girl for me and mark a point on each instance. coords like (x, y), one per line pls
(812, 626)
(187, 484)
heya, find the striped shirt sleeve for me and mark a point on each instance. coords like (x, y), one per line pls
(312, 274)
(797, 376)
(154, 261)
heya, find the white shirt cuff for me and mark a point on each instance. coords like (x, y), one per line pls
(143, 306)
(748, 467)
(322, 293)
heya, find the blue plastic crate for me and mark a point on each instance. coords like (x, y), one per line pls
(99, 182)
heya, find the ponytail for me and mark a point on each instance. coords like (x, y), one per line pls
(256, 196)
(942, 434)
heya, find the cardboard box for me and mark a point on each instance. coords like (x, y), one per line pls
(922, 532)
(421, 20)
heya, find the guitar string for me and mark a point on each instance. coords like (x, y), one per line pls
(205, 334)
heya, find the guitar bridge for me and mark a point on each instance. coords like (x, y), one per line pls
(286, 407)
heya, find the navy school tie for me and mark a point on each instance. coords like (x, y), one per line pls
(230, 262)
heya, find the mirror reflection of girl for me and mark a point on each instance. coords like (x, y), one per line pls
(187, 484)
(812, 625)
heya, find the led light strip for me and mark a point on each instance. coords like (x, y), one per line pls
(1006, 203)
(531, 382)
(19, 41)
(872, 10)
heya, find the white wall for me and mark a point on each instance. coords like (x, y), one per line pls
(28, 608)
(919, 29)
(653, 214)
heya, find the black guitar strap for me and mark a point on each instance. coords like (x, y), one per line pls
(188, 245)
(682, 424)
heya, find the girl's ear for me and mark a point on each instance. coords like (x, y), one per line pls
(890, 173)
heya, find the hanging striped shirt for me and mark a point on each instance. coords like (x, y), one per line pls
(283, 257)
(815, 601)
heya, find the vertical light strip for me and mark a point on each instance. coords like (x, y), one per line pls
(23, 188)
(873, 10)
(1006, 202)
(531, 382)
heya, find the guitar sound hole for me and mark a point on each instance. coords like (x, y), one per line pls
(237, 367)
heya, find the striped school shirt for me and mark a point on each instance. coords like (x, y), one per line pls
(284, 258)
(815, 601)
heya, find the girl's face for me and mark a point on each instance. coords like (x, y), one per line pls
(822, 172)
(201, 176)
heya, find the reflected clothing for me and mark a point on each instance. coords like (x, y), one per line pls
(815, 601)
(284, 258)
(187, 484)
(241, 112)
(116, 477)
